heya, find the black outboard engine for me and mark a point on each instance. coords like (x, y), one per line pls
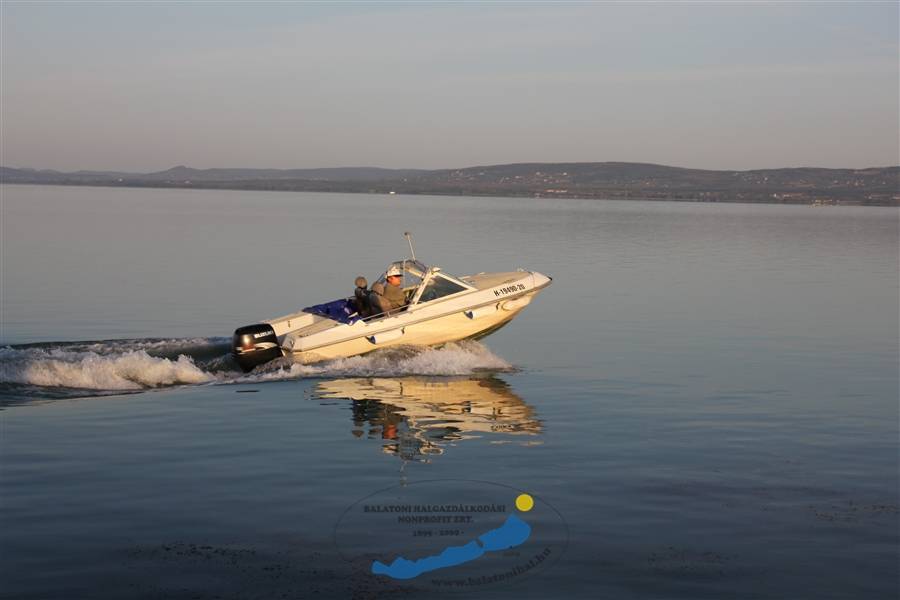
(254, 345)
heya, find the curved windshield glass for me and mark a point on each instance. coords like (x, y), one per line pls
(438, 287)
(413, 272)
(413, 267)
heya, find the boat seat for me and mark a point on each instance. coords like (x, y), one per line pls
(377, 301)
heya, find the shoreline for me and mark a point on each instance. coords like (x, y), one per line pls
(811, 198)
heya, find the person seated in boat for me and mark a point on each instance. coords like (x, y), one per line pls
(393, 291)
(360, 300)
(388, 297)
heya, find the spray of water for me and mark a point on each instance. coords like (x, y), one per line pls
(87, 368)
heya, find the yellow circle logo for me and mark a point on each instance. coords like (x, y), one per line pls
(524, 502)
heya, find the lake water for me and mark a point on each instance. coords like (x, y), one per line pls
(707, 395)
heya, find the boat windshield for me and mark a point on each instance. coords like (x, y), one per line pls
(413, 272)
(438, 286)
(412, 267)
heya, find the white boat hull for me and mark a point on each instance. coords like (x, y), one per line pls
(442, 330)
(491, 301)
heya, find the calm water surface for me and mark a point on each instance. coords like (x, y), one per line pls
(708, 394)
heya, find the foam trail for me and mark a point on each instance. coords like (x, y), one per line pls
(129, 371)
(462, 358)
(133, 365)
(111, 364)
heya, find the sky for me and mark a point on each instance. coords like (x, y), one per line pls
(145, 86)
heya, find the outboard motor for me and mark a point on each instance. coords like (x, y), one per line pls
(254, 345)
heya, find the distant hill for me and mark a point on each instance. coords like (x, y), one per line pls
(877, 185)
(333, 174)
(640, 180)
(182, 174)
(10, 175)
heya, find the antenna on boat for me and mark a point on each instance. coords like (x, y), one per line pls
(408, 236)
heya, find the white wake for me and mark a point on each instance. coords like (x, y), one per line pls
(127, 365)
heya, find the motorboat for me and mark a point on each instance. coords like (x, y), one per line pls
(440, 308)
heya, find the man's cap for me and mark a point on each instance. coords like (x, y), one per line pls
(394, 270)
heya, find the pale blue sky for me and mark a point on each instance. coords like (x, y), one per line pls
(726, 86)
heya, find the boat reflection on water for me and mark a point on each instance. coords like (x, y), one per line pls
(419, 417)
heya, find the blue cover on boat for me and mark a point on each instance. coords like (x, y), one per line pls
(337, 310)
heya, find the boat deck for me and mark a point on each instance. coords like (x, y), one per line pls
(488, 280)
